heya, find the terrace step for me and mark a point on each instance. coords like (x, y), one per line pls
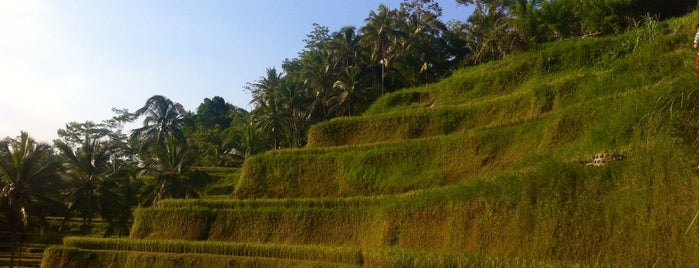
(325, 256)
(390, 168)
(29, 258)
(423, 122)
(120, 258)
(146, 253)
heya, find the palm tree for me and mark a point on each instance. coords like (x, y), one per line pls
(318, 80)
(263, 90)
(119, 194)
(349, 95)
(29, 175)
(251, 142)
(272, 120)
(170, 170)
(424, 49)
(381, 33)
(163, 118)
(344, 48)
(270, 115)
(164, 147)
(87, 166)
(487, 30)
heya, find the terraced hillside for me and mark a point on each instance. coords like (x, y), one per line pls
(485, 168)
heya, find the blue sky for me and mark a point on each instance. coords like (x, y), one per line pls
(73, 60)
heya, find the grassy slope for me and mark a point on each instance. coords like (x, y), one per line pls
(565, 101)
(223, 180)
(486, 163)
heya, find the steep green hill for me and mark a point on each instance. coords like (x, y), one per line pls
(485, 168)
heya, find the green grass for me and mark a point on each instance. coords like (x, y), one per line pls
(224, 180)
(420, 123)
(394, 257)
(62, 256)
(192, 223)
(352, 202)
(297, 252)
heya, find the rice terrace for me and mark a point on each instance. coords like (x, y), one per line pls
(563, 134)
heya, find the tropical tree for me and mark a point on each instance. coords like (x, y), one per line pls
(430, 52)
(123, 154)
(350, 94)
(119, 194)
(344, 50)
(213, 112)
(29, 176)
(216, 133)
(487, 30)
(87, 167)
(382, 35)
(315, 76)
(74, 134)
(317, 38)
(556, 20)
(165, 153)
(170, 170)
(269, 114)
(250, 143)
(163, 119)
(100, 165)
(214, 147)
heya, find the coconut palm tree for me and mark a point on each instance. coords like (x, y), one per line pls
(163, 118)
(272, 120)
(170, 170)
(381, 33)
(487, 31)
(87, 166)
(29, 177)
(164, 149)
(344, 48)
(263, 90)
(118, 195)
(317, 78)
(269, 115)
(349, 96)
